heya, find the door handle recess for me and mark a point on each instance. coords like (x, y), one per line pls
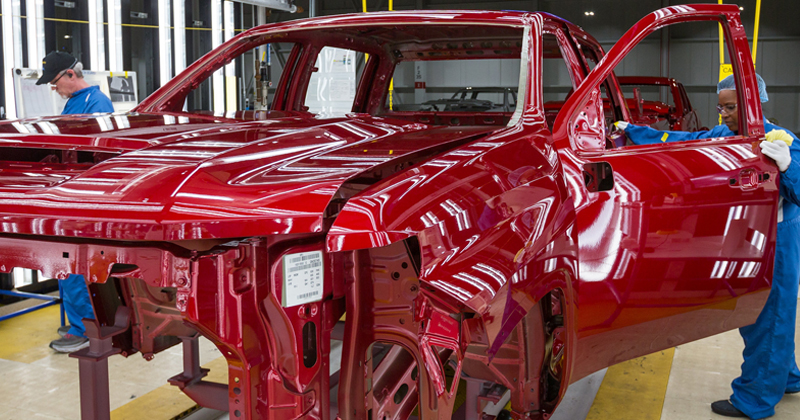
(749, 179)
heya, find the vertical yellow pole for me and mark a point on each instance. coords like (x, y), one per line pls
(721, 58)
(721, 44)
(755, 31)
(364, 9)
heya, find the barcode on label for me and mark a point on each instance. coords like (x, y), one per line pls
(308, 295)
(299, 258)
(310, 265)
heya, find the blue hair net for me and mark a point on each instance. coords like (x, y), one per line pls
(729, 84)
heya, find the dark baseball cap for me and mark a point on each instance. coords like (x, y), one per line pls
(55, 63)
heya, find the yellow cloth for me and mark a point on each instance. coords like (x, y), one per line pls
(779, 135)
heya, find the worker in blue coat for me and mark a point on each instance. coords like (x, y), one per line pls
(770, 369)
(64, 74)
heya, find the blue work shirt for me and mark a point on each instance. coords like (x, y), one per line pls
(88, 101)
(790, 180)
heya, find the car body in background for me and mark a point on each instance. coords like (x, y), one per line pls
(680, 116)
(476, 99)
(484, 246)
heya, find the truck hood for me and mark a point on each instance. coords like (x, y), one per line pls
(177, 177)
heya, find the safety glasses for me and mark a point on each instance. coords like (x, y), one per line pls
(726, 109)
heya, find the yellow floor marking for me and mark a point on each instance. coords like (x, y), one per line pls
(168, 402)
(162, 403)
(25, 338)
(634, 390)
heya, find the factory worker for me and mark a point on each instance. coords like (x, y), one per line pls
(64, 74)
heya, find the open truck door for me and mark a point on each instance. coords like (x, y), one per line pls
(680, 234)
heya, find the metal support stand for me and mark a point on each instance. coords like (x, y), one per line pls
(206, 394)
(93, 365)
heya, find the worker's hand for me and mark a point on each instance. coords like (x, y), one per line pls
(622, 125)
(777, 151)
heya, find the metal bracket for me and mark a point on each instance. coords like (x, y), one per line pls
(206, 394)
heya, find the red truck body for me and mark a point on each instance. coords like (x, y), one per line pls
(478, 246)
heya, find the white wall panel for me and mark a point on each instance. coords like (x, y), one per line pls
(479, 71)
(509, 73)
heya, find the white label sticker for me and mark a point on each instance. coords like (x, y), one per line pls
(302, 278)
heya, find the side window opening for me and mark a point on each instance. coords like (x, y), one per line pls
(262, 68)
(332, 86)
(685, 100)
(557, 80)
(612, 104)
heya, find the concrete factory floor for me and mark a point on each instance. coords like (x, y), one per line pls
(676, 384)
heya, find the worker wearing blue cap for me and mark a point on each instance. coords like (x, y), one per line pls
(769, 370)
(64, 74)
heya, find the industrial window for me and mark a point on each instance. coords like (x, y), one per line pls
(332, 86)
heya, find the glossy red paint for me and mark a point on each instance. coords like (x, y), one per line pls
(211, 183)
(482, 246)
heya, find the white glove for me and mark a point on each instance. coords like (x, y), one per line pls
(622, 125)
(777, 151)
